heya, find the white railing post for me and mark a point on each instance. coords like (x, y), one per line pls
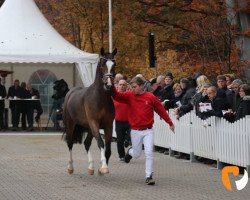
(247, 121)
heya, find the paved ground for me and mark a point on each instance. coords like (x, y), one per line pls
(35, 167)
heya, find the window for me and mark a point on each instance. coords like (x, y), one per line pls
(43, 81)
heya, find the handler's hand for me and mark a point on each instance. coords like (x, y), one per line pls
(172, 128)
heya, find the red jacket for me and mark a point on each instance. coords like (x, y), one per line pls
(121, 111)
(141, 108)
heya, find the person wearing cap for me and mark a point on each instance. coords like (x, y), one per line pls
(141, 118)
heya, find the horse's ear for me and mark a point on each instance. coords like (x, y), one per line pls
(102, 52)
(114, 52)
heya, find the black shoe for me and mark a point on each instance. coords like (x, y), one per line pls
(14, 129)
(150, 181)
(126, 143)
(127, 157)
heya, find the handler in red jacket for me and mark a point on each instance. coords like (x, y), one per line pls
(122, 126)
(142, 105)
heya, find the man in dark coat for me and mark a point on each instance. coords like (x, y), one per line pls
(217, 104)
(223, 91)
(14, 93)
(36, 103)
(2, 105)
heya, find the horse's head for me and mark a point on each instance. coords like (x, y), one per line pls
(107, 65)
(61, 88)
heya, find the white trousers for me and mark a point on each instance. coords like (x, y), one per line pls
(137, 139)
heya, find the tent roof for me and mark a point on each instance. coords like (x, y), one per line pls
(27, 36)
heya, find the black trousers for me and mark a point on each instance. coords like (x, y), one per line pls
(1, 117)
(15, 115)
(122, 132)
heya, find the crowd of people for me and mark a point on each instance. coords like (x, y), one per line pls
(227, 97)
(23, 100)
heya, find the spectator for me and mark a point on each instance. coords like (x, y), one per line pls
(186, 105)
(141, 117)
(167, 92)
(229, 80)
(216, 104)
(2, 105)
(56, 112)
(244, 107)
(223, 91)
(122, 126)
(160, 84)
(24, 105)
(34, 93)
(14, 93)
(178, 94)
(117, 78)
(236, 96)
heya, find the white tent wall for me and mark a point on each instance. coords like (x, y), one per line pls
(29, 43)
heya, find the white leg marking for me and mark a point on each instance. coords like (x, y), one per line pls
(91, 161)
(103, 159)
(70, 166)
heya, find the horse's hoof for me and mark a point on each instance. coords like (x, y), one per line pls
(91, 172)
(70, 171)
(103, 170)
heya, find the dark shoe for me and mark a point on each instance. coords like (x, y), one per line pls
(150, 181)
(14, 129)
(126, 143)
(127, 157)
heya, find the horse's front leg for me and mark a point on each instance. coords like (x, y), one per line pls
(104, 168)
(95, 131)
(87, 144)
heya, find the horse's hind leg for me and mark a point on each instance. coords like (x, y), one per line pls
(69, 138)
(87, 144)
(70, 165)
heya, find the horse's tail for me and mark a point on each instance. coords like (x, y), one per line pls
(77, 136)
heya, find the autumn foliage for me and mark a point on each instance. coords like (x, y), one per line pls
(191, 35)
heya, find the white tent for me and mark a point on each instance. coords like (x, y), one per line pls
(27, 37)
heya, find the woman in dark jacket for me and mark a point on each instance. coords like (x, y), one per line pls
(244, 107)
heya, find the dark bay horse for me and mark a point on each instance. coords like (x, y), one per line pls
(90, 109)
